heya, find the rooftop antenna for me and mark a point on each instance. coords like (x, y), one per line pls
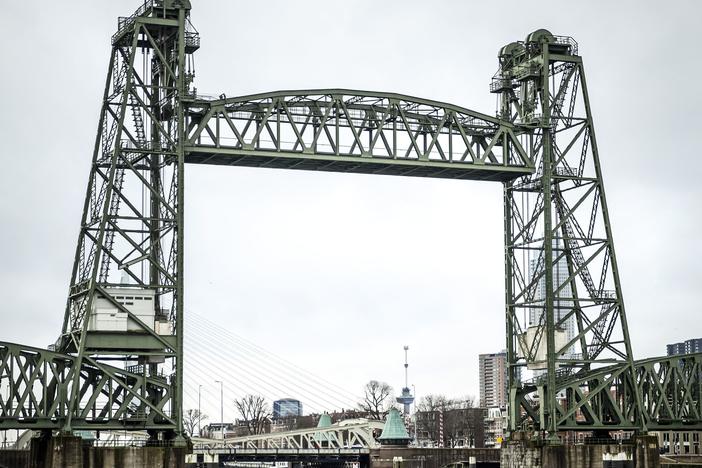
(406, 398)
(406, 365)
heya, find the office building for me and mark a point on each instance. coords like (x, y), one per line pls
(691, 346)
(286, 407)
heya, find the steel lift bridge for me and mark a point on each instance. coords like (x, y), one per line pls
(118, 363)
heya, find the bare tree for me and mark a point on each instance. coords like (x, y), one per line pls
(375, 400)
(433, 402)
(192, 420)
(254, 412)
(466, 401)
(442, 402)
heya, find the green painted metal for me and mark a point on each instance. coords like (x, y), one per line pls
(564, 306)
(133, 398)
(569, 323)
(130, 248)
(324, 422)
(343, 130)
(394, 431)
(41, 382)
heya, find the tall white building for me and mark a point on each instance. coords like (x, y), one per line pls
(562, 304)
(493, 380)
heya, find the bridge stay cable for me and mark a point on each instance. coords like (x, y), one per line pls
(257, 367)
(230, 365)
(275, 362)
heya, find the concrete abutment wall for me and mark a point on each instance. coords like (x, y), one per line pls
(14, 458)
(69, 452)
(642, 453)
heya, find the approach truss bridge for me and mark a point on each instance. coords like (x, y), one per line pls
(118, 363)
(350, 434)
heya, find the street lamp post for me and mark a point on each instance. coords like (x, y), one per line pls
(221, 405)
(199, 412)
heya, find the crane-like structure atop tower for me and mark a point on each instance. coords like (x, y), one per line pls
(118, 363)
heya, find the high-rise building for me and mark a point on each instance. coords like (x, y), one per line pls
(493, 379)
(286, 407)
(563, 303)
(693, 345)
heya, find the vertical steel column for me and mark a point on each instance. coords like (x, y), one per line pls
(546, 181)
(512, 405)
(180, 205)
(639, 413)
(87, 302)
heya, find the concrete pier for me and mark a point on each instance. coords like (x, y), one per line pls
(71, 452)
(641, 452)
(14, 458)
(411, 457)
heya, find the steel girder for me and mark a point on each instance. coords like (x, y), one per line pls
(670, 389)
(38, 383)
(354, 131)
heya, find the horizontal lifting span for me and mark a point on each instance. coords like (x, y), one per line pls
(343, 130)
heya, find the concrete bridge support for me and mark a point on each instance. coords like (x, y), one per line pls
(13, 458)
(641, 453)
(70, 452)
(415, 457)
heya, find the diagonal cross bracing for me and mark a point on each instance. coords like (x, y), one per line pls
(419, 137)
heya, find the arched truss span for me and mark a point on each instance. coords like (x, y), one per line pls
(354, 131)
(338, 436)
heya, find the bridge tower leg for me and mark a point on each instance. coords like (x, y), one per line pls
(125, 302)
(566, 321)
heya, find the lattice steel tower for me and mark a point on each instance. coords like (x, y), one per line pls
(560, 212)
(126, 294)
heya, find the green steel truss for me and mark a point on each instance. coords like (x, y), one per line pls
(39, 383)
(126, 293)
(564, 305)
(118, 363)
(354, 131)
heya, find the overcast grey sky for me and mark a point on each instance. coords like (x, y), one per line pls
(337, 272)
